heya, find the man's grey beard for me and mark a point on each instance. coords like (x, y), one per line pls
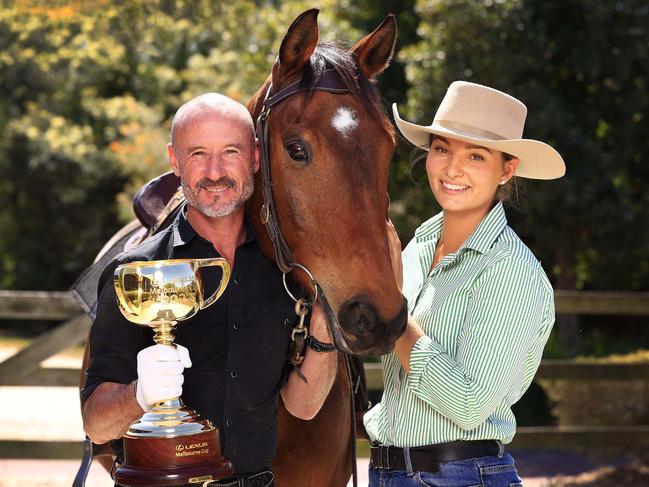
(218, 209)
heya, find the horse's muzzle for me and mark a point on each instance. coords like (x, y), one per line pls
(364, 330)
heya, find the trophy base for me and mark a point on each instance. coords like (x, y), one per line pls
(181, 460)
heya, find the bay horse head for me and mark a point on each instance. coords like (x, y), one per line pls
(328, 143)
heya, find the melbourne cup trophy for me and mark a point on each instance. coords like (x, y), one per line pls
(171, 444)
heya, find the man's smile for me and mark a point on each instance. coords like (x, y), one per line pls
(221, 185)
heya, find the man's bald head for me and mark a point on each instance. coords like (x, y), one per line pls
(213, 152)
(212, 103)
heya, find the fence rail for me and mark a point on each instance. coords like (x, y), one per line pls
(37, 305)
(23, 369)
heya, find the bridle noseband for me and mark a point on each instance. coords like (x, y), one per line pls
(330, 82)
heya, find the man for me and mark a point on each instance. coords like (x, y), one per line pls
(230, 363)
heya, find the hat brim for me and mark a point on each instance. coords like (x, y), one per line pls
(537, 160)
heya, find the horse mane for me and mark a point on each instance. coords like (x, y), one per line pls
(329, 56)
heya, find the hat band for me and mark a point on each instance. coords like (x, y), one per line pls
(468, 130)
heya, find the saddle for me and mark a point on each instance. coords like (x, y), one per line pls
(155, 206)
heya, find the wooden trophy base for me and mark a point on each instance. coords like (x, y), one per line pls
(180, 460)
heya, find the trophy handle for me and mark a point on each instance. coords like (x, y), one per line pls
(122, 302)
(225, 278)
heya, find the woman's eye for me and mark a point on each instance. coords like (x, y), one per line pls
(440, 149)
(297, 152)
(476, 157)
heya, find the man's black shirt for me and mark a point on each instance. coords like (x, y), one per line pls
(238, 346)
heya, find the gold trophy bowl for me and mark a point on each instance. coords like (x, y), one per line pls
(171, 444)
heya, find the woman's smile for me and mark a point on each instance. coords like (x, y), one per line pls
(454, 188)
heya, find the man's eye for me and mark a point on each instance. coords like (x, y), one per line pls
(476, 157)
(440, 149)
(297, 152)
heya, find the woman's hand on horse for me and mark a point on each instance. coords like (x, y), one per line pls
(394, 245)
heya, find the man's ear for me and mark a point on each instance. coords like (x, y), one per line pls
(173, 160)
(255, 157)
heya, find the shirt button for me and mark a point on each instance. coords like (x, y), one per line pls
(235, 326)
(233, 374)
(236, 281)
(286, 322)
(228, 423)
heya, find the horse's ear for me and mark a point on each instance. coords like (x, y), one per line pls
(299, 42)
(374, 51)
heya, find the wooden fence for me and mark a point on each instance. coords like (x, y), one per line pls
(23, 369)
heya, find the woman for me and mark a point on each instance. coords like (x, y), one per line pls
(481, 307)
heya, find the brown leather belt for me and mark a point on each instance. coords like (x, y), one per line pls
(428, 458)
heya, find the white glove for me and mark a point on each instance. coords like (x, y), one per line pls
(160, 373)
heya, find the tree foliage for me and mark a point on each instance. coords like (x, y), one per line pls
(88, 92)
(89, 89)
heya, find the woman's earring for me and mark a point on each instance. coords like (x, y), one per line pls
(502, 182)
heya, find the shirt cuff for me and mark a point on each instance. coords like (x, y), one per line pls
(424, 350)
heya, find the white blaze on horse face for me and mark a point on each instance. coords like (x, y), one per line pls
(344, 120)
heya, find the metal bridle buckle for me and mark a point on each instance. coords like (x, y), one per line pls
(311, 279)
(301, 310)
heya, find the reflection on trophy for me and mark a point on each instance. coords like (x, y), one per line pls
(171, 444)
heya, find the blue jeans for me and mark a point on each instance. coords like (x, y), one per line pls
(476, 472)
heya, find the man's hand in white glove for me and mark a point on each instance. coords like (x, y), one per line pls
(160, 373)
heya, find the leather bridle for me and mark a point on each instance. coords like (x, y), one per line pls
(330, 82)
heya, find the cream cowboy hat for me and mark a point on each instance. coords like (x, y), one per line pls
(483, 116)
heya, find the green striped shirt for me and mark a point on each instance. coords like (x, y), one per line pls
(487, 311)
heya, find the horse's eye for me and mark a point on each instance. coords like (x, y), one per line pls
(297, 151)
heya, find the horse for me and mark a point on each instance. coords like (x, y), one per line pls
(322, 192)
(326, 144)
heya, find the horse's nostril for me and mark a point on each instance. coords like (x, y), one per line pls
(358, 315)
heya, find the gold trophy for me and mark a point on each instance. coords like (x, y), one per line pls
(171, 444)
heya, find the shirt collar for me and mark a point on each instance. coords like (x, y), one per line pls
(482, 238)
(184, 232)
(489, 229)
